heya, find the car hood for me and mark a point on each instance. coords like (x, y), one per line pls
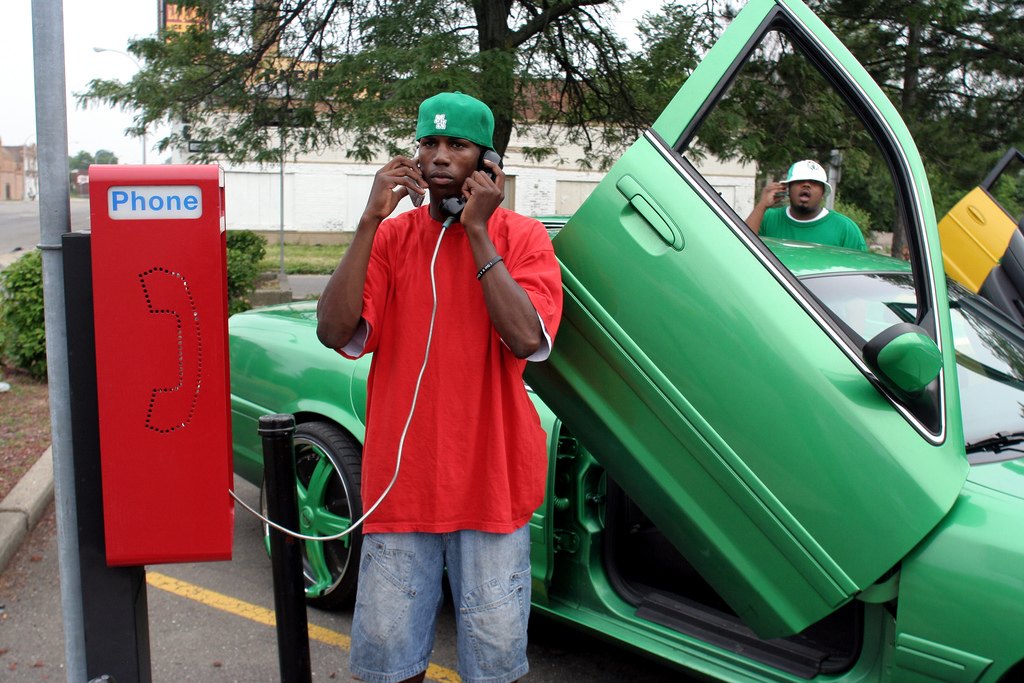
(1006, 476)
(299, 310)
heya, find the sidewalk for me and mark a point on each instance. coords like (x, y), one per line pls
(22, 508)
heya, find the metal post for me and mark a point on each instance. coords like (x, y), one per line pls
(54, 220)
(835, 175)
(281, 233)
(285, 553)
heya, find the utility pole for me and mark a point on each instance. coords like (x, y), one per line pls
(54, 221)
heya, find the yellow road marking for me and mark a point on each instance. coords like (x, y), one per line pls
(262, 615)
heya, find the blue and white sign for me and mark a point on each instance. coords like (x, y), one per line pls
(154, 202)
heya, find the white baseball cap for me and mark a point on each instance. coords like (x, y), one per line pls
(808, 169)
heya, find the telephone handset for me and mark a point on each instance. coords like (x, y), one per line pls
(453, 206)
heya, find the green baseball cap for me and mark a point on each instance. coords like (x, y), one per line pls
(456, 115)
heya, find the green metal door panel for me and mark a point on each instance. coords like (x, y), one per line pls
(740, 427)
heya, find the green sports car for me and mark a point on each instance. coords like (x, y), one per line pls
(768, 461)
(602, 563)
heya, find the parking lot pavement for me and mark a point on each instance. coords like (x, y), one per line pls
(208, 622)
(307, 286)
(211, 622)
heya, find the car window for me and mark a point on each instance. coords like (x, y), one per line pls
(990, 366)
(780, 109)
(989, 348)
(788, 101)
(869, 303)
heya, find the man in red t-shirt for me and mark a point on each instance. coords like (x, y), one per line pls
(452, 298)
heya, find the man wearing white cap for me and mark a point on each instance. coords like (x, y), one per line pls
(805, 219)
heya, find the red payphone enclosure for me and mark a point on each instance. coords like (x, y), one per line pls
(160, 308)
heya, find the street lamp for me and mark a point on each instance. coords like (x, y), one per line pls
(139, 66)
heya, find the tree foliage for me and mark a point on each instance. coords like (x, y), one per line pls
(340, 72)
(673, 42)
(82, 160)
(955, 71)
(256, 77)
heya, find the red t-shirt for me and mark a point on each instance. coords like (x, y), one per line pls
(475, 454)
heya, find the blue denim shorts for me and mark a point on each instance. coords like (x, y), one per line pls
(399, 597)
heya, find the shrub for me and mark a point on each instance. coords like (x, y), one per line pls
(22, 325)
(245, 251)
(858, 215)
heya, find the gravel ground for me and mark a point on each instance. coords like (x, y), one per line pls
(24, 425)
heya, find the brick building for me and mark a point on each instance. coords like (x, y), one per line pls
(19, 173)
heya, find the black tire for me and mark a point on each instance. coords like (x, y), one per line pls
(328, 466)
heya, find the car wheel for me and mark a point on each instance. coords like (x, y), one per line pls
(327, 472)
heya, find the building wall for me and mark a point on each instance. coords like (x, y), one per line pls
(18, 173)
(325, 192)
(12, 178)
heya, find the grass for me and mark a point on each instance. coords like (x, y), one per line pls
(303, 259)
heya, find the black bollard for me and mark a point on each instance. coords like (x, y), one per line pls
(285, 552)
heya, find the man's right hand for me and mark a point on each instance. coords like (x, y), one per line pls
(396, 179)
(339, 309)
(772, 195)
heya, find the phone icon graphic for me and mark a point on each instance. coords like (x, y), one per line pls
(173, 405)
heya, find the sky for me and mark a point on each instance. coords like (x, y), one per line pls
(110, 24)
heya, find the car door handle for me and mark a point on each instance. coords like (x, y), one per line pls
(652, 213)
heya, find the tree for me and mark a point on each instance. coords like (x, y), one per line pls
(82, 160)
(955, 71)
(674, 39)
(256, 78)
(953, 68)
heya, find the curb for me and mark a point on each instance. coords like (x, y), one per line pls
(23, 507)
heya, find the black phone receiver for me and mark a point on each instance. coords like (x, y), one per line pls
(453, 206)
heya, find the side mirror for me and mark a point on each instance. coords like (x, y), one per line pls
(904, 357)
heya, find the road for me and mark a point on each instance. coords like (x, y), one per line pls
(208, 623)
(19, 223)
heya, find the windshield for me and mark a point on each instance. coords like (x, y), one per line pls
(989, 348)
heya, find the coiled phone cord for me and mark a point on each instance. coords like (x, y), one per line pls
(405, 430)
